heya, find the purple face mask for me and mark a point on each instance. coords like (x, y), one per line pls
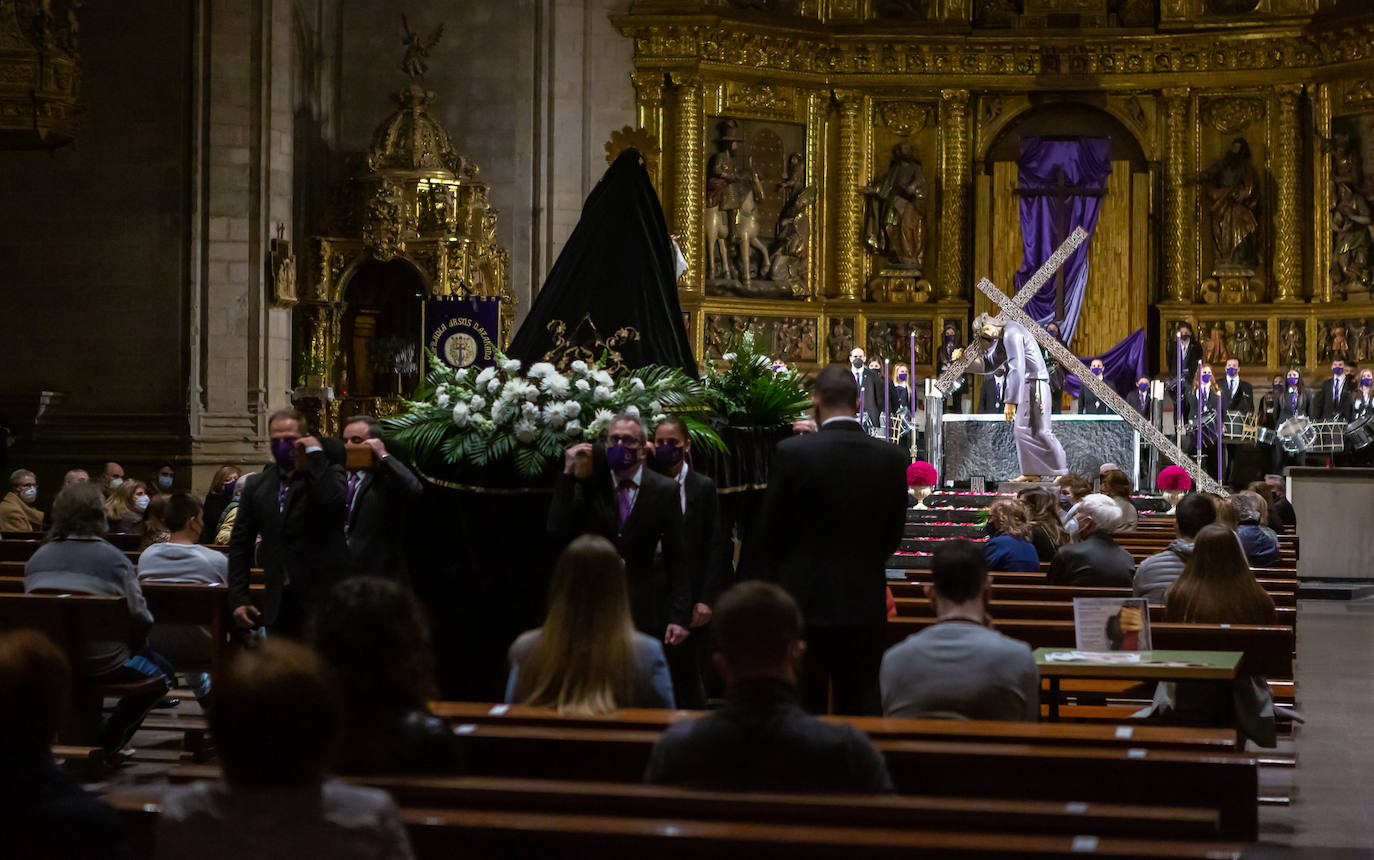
(283, 447)
(1233, 372)
(1338, 371)
(1097, 371)
(1142, 387)
(668, 456)
(901, 377)
(1206, 378)
(620, 458)
(1366, 382)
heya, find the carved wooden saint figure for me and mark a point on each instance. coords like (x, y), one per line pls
(895, 210)
(1231, 187)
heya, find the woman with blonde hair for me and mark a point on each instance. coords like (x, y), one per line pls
(1203, 406)
(1047, 530)
(217, 499)
(126, 508)
(225, 527)
(1117, 487)
(588, 659)
(1009, 546)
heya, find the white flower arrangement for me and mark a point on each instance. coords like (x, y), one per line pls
(530, 416)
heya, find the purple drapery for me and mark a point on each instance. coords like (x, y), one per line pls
(1122, 365)
(1083, 163)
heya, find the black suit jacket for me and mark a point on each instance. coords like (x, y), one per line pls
(707, 556)
(376, 524)
(1191, 356)
(1286, 409)
(1328, 407)
(1140, 402)
(1243, 401)
(1091, 404)
(305, 541)
(833, 514)
(660, 594)
(989, 402)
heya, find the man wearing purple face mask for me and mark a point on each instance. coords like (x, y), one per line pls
(1089, 403)
(707, 555)
(1334, 399)
(1237, 395)
(296, 506)
(611, 494)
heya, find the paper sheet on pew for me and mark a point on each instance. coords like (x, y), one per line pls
(1110, 658)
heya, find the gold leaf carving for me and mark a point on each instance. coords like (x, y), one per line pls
(1231, 115)
(760, 98)
(904, 117)
(1358, 92)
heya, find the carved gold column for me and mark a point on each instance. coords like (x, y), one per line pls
(649, 115)
(1320, 94)
(1178, 199)
(848, 265)
(1287, 238)
(689, 181)
(954, 170)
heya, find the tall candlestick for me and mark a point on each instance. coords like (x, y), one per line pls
(1220, 427)
(887, 401)
(911, 394)
(1200, 404)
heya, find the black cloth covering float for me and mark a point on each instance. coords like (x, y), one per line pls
(612, 288)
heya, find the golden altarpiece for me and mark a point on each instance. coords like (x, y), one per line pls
(783, 126)
(414, 223)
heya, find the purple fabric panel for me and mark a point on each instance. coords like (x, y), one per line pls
(1082, 162)
(1123, 363)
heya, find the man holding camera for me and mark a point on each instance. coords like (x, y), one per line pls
(380, 489)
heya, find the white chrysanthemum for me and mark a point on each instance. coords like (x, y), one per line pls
(572, 409)
(525, 431)
(655, 407)
(555, 385)
(493, 386)
(460, 414)
(529, 410)
(583, 385)
(554, 416)
(602, 393)
(603, 377)
(632, 410)
(460, 374)
(487, 374)
(600, 422)
(541, 369)
(579, 366)
(477, 403)
(511, 365)
(502, 411)
(443, 400)
(574, 429)
(729, 356)
(519, 389)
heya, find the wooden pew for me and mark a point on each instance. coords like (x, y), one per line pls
(480, 831)
(919, 607)
(1036, 591)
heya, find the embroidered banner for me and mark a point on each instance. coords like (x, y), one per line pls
(463, 332)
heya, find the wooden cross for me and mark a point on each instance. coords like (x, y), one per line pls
(1061, 192)
(957, 367)
(1012, 311)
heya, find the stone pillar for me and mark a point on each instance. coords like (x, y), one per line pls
(954, 134)
(1287, 232)
(1178, 197)
(689, 179)
(853, 139)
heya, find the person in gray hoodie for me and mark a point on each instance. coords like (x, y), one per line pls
(1156, 573)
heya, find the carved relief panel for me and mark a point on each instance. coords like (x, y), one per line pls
(841, 339)
(891, 340)
(1292, 343)
(1350, 340)
(901, 200)
(1352, 207)
(788, 339)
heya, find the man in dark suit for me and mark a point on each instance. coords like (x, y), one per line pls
(1089, 403)
(296, 505)
(611, 494)
(1289, 403)
(1141, 398)
(833, 514)
(380, 490)
(1191, 351)
(1334, 399)
(992, 399)
(945, 357)
(1237, 395)
(706, 552)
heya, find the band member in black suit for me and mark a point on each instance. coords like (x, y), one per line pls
(1089, 403)
(873, 393)
(379, 492)
(1362, 405)
(1237, 395)
(296, 506)
(1191, 350)
(707, 556)
(1292, 401)
(954, 403)
(1201, 406)
(902, 404)
(992, 398)
(610, 493)
(1333, 402)
(1140, 399)
(833, 514)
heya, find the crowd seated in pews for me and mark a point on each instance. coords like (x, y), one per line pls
(18, 511)
(44, 812)
(588, 658)
(276, 722)
(1009, 545)
(77, 559)
(1096, 558)
(959, 667)
(1073, 488)
(372, 633)
(126, 507)
(762, 739)
(1156, 573)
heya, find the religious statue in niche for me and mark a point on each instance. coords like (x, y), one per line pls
(892, 340)
(1244, 343)
(1215, 351)
(841, 340)
(1352, 220)
(895, 211)
(1259, 337)
(1292, 342)
(1348, 340)
(736, 217)
(794, 340)
(1231, 197)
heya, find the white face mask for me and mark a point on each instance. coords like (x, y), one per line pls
(115, 482)
(141, 503)
(28, 494)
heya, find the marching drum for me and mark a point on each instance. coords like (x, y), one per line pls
(1360, 432)
(1265, 435)
(1297, 435)
(1330, 437)
(1239, 427)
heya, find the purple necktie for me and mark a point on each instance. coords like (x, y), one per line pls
(354, 479)
(623, 500)
(282, 490)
